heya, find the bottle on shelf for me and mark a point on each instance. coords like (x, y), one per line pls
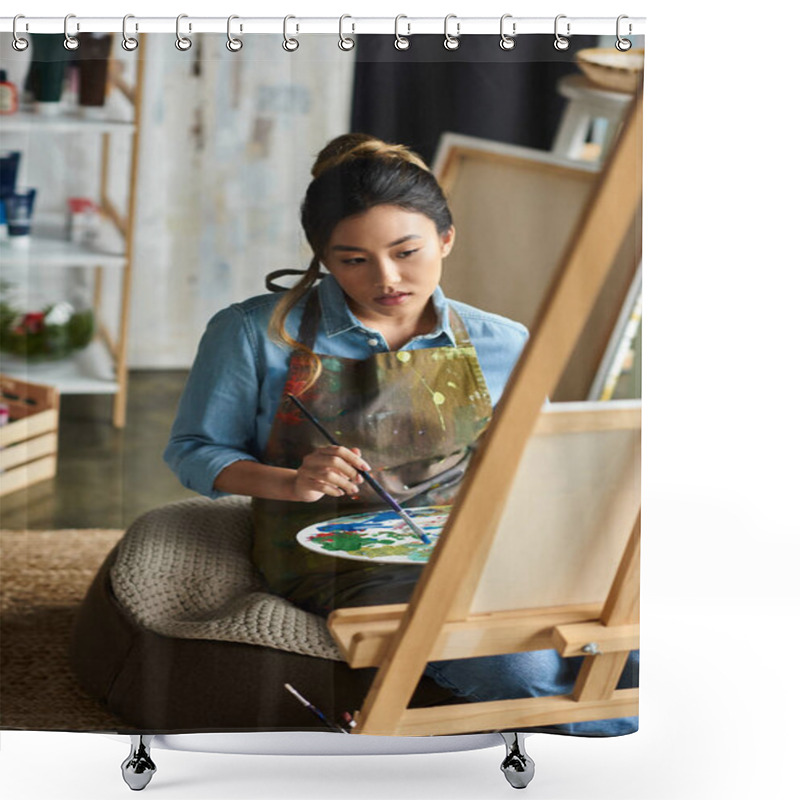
(92, 64)
(46, 75)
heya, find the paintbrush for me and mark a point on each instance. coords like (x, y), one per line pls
(382, 493)
(313, 709)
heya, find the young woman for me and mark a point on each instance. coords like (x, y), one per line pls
(405, 377)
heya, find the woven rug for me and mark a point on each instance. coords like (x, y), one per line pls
(43, 578)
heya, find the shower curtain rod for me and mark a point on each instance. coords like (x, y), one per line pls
(297, 25)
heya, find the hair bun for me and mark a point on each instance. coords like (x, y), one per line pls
(362, 145)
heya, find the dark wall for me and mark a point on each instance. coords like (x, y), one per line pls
(413, 96)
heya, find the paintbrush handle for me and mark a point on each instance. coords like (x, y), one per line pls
(395, 506)
(313, 709)
(414, 527)
(314, 421)
(382, 493)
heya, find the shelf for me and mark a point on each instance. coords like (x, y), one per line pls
(101, 368)
(91, 371)
(69, 120)
(49, 247)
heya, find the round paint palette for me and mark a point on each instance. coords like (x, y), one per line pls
(379, 537)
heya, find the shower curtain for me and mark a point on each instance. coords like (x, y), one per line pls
(168, 183)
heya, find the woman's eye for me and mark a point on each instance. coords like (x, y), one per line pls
(406, 253)
(355, 260)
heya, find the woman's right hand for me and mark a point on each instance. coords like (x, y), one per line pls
(331, 470)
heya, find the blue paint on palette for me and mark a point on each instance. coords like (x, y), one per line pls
(377, 520)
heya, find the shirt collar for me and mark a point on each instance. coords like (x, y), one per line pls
(337, 317)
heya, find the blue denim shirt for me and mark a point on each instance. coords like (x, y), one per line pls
(236, 383)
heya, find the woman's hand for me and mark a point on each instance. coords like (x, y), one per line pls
(331, 470)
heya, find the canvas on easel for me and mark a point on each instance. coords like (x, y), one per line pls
(585, 599)
(517, 209)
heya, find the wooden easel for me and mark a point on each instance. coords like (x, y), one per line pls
(458, 610)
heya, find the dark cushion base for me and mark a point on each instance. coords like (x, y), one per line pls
(158, 684)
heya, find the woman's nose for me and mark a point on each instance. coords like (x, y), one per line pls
(386, 272)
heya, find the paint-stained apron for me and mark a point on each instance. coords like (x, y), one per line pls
(415, 415)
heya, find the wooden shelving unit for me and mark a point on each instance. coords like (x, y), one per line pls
(102, 367)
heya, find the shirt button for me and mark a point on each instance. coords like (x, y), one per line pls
(372, 342)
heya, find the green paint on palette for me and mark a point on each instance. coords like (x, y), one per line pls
(341, 541)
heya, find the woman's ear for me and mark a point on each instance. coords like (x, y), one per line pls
(448, 239)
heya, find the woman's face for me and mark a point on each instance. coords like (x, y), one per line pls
(388, 261)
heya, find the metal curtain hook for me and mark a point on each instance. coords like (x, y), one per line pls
(70, 42)
(623, 44)
(561, 42)
(507, 42)
(345, 42)
(289, 44)
(19, 44)
(182, 42)
(401, 42)
(451, 42)
(233, 44)
(129, 43)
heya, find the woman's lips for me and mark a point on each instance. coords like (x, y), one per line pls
(393, 299)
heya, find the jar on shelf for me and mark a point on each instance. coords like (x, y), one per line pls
(35, 329)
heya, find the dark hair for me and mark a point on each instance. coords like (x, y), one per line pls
(359, 184)
(352, 174)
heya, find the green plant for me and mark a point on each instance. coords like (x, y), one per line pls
(52, 333)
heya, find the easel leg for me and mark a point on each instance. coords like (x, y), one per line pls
(138, 768)
(517, 766)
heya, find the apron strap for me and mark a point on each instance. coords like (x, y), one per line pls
(459, 329)
(309, 323)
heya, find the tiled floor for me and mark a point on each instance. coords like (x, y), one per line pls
(106, 477)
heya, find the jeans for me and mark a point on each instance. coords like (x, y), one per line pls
(536, 673)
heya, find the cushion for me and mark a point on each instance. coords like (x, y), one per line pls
(184, 571)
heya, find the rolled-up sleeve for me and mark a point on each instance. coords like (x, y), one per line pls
(216, 420)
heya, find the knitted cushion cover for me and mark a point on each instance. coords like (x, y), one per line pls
(184, 570)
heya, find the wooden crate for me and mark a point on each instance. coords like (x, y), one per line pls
(29, 443)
